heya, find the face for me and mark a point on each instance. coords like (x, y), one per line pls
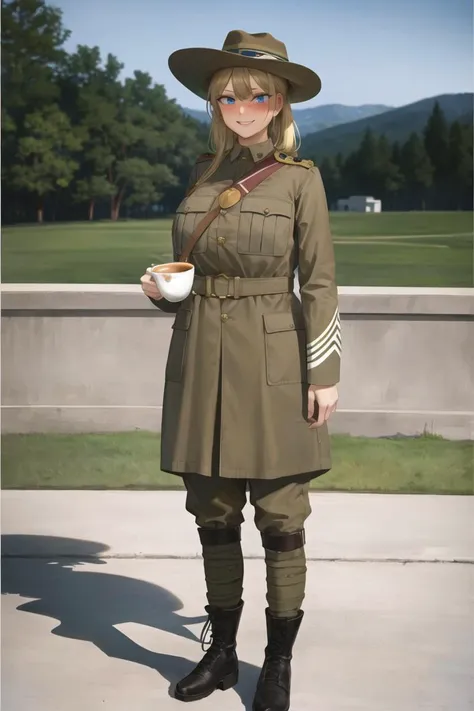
(249, 117)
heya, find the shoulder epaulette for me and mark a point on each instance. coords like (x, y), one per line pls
(290, 160)
(204, 156)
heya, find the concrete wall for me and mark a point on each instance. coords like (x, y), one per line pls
(90, 358)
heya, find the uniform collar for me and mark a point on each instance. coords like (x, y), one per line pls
(258, 151)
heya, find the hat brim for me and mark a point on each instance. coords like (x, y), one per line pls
(194, 68)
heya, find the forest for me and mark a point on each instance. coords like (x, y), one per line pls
(80, 143)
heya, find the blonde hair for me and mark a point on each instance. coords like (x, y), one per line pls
(282, 128)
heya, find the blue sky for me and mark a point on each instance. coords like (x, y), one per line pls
(389, 52)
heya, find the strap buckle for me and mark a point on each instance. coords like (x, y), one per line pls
(283, 542)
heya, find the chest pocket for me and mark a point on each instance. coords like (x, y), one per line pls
(265, 226)
(188, 215)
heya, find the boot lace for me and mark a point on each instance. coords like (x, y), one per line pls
(273, 657)
(206, 630)
(272, 670)
(210, 645)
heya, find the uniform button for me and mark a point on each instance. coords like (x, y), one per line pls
(266, 211)
(221, 240)
(223, 212)
(259, 155)
(224, 317)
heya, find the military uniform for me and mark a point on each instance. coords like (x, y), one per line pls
(256, 354)
(237, 375)
(243, 352)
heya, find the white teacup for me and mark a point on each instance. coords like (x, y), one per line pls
(174, 280)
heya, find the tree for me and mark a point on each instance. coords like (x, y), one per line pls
(417, 171)
(91, 94)
(387, 173)
(395, 158)
(32, 54)
(395, 154)
(459, 172)
(146, 182)
(436, 141)
(45, 162)
(366, 159)
(148, 127)
(137, 145)
(331, 175)
(138, 142)
(91, 189)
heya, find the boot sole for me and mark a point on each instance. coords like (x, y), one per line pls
(226, 683)
(267, 708)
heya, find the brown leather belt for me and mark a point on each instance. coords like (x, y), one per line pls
(225, 287)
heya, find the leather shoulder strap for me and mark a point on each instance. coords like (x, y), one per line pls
(260, 172)
(204, 156)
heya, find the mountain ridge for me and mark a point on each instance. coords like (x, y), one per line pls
(396, 124)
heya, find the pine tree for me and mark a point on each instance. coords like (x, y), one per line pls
(417, 172)
(436, 142)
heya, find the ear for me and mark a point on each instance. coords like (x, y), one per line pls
(278, 105)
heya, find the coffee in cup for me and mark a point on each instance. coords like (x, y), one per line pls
(174, 279)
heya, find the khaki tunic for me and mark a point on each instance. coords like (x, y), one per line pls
(238, 370)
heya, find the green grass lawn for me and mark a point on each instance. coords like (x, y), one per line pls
(386, 249)
(130, 460)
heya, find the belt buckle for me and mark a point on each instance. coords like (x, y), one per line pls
(210, 286)
(211, 289)
(227, 290)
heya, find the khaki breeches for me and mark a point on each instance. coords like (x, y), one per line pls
(217, 502)
(281, 510)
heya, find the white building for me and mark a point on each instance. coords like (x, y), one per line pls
(359, 203)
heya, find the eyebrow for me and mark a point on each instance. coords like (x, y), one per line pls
(232, 93)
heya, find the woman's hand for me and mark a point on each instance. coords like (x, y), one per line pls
(326, 396)
(149, 287)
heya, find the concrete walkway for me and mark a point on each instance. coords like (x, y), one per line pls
(104, 594)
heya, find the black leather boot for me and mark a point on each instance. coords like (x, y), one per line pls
(273, 686)
(219, 668)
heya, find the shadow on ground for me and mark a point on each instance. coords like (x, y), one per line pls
(89, 604)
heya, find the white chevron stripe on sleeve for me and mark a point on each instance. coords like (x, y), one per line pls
(334, 348)
(336, 341)
(330, 341)
(335, 320)
(333, 335)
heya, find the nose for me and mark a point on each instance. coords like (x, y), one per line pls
(241, 110)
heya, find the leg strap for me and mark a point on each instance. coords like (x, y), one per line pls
(219, 536)
(283, 542)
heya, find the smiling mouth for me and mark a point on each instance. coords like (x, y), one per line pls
(244, 123)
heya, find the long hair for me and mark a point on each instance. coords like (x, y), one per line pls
(282, 128)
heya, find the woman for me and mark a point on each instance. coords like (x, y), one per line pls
(252, 372)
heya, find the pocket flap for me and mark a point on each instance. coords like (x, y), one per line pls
(282, 322)
(266, 206)
(182, 320)
(196, 203)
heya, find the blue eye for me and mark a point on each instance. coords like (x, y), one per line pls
(227, 100)
(261, 99)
